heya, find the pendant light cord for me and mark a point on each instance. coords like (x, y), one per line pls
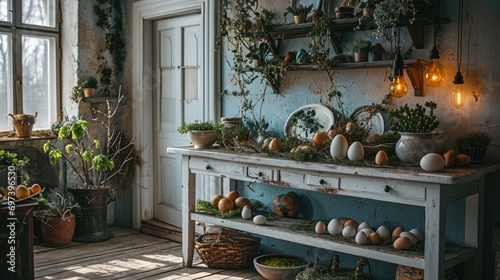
(459, 35)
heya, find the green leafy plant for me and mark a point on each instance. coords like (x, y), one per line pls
(368, 3)
(473, 139)
(89, 82)
(361, 46)
(299, 10)
(56, 205)
(406, 119)
(83, 154)
(186, 127)
(8, 158)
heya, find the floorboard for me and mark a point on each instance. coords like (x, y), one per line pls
(128, 255)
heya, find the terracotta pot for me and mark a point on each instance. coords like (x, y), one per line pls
(344, 12)
(89, 92)
(360, 56)
(58, 231)
(299, 19)
(23, 124)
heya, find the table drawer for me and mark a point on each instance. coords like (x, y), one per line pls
(216, 167)
(263, 173)
(394, 189)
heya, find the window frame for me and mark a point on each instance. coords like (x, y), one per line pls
(17, 29)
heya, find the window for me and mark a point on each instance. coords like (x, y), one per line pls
(29, 64)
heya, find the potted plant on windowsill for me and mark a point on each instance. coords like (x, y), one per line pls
(202, 134)
(416, 126)
(368, 7)
(57, 220)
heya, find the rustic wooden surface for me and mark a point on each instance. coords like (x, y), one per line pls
(128, 255)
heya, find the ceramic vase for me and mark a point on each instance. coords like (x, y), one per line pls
(411, 147)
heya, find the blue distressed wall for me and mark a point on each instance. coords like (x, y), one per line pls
(480, 67)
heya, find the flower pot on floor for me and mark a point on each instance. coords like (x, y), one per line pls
(58, 231)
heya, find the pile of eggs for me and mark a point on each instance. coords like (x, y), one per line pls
(364, 234)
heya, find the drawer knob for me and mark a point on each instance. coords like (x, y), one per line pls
(322, 182)
(208, 167)
(387, 188)
(260, 174)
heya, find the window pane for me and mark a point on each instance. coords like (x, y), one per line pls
(39, 12)
(39, 79)
(5, 10)
(5, 80)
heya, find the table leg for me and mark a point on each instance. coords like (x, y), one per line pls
(434, 233)
(188, 206)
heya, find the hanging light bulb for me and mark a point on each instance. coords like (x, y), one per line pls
(398, 87)
(434, 75)
(458, 94)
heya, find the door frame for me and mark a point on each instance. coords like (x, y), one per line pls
(143, 82)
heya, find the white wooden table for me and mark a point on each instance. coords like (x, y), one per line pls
(405, 185)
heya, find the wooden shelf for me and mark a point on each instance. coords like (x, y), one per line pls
(339, 26)
(414, 68)
(279, 228)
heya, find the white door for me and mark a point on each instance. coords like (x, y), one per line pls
(179, 98)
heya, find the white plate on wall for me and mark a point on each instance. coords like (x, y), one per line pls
(324, 118)
(373, 124)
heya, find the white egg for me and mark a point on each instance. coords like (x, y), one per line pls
(361, 238)
(339, 146)
(246, 213)
(410, 236)
(334, 227)
(432, 162)
(355, 151)
(349, 231)
(363, 225)
(320, 227)
(418, 234)
(259, 220)
(384, 232)
(367, 231)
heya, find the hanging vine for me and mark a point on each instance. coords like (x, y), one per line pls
(110, 19)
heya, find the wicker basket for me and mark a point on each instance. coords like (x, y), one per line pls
(227, 250)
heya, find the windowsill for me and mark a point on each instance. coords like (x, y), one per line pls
(8, 136)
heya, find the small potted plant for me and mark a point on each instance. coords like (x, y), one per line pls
(299, 13)
(360, 50)
(416, 126)
(202, 134)
(474, 144)
(57, 220)
(346, 10)
(368, 6)
(88, 86)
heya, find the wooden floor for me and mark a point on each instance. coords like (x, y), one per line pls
(128, 255)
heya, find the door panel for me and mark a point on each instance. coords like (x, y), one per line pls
(178, 99)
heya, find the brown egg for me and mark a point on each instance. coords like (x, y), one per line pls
(216, 199)
(396, 232)
(352, 223)
(402, 243)
(381, 158)
(463, 160)
(372, 138)
(275, 144)
(450, 158)
(233, 195)
(317, 140)
(374, 238)
(343, 220)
